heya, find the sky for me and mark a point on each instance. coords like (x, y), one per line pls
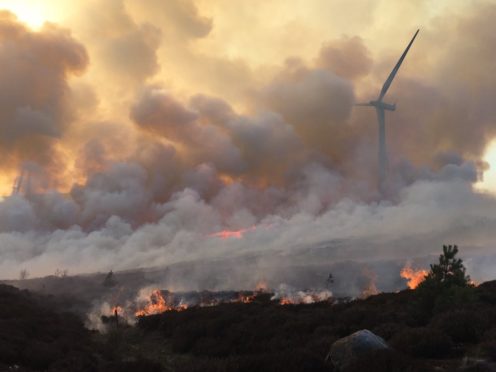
(142, 128)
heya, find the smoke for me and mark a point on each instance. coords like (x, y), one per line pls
(153, 173)
(35, 102)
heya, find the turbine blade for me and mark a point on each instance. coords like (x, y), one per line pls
(389, 80)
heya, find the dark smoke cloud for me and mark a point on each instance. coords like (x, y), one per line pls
(35, 103)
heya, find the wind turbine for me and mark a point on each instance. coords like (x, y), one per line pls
(381, 107)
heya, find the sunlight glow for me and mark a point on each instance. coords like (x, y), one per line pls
(33, 13)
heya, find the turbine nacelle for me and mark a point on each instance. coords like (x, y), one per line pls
(383, 105)
(379, 104)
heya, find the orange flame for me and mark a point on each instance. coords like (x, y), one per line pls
(414, 277)
(226, 234)
(286, 301)
(117, 310)
(156, 305)
(246, 299)
(262, 286)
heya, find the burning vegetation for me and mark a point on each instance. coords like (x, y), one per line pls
(156, 305)
(414, 277)
(156, 301)
(433, 327)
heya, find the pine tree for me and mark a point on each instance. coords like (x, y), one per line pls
(450, 270)
(445, 287)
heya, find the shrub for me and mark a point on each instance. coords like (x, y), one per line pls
(423, 342)
(386, 360)
(141, 365)
(461, 325)
(489, 349)
(387, 330)
(445, 287)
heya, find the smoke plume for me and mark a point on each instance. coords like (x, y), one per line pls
(134, 159)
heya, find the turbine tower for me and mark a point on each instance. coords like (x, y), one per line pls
(381, 107)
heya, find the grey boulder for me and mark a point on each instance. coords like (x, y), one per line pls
(344, 350)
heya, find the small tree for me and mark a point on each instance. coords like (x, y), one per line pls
(449, 271)
(445, 287)
(24, 274)
(109, 280)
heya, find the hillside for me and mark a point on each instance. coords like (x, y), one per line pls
(458, 335)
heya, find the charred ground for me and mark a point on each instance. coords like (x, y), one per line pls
(460, 326)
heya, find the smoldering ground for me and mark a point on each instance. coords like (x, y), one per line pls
(149, 176)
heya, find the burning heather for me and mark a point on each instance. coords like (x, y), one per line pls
(155, 301)
(286, 295)
(156, 305)
(414, 277)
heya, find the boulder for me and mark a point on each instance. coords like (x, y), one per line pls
(344, 350)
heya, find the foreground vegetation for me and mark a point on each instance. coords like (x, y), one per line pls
(445, 324)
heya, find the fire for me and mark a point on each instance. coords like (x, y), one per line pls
(226, 234)
(156, 305)
(286, 301)
(286, 295)
(370, 288)
(117, 310)
(262, 286)
(246, 299)
(414, 277)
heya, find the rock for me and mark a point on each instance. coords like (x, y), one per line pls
(344, 350)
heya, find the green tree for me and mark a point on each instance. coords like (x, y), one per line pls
(447, 286)
(450, 270)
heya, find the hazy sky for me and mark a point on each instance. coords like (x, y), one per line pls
(144, 127)
(230, 49)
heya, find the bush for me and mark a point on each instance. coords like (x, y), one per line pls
(446, 286)
(450, 270)
(461, 325)
(295, 361)
(386, 360)
(423, 342)
(141, 365)
(387, 330)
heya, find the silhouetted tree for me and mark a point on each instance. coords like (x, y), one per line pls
(109, 280)
(446, 286)
(23, 274)
(450, 270)
(330, 280)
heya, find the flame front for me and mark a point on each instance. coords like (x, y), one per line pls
(414, 277)
(156, 305)
(226, 234)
